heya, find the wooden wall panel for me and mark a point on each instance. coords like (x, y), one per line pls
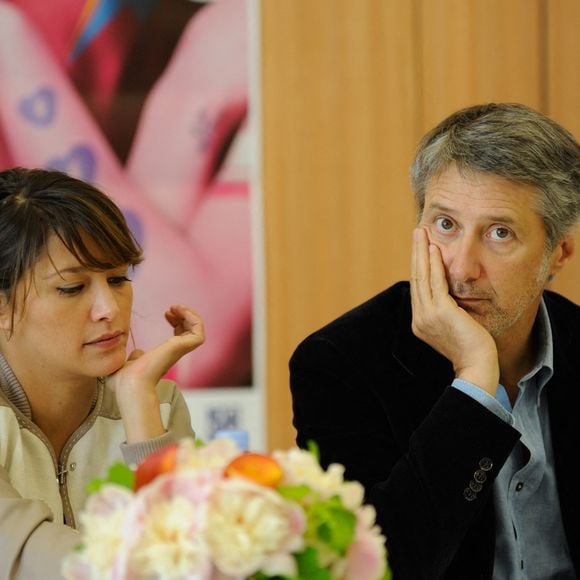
(479, 50)
(347, 90)
(563, 97)
(339, 127)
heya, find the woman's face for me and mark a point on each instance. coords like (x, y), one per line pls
(74, 322)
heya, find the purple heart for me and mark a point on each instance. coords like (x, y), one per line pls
(79, 162)
(39, 108)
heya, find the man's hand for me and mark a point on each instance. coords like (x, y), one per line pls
(442, 324)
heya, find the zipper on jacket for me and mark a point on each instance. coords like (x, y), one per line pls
(61, 477)
(61, 474)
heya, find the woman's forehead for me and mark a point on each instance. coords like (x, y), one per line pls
(58, 258)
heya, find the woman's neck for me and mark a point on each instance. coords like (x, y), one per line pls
(58, 406)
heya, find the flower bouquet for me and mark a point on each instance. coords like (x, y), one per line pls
(210, 511)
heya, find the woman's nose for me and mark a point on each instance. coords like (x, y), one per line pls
(105, 305)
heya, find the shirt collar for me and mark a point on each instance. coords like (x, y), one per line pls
(543, 368)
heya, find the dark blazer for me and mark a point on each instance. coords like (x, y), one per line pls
(377, 399)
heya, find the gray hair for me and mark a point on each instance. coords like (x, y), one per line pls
(512, 141)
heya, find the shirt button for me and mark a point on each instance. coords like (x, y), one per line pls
(72, 466)
(520, 486)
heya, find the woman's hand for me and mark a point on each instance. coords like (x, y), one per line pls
(134, 383)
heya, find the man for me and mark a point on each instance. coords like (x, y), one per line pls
(454, 399)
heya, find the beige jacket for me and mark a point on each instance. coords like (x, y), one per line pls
(39, 494)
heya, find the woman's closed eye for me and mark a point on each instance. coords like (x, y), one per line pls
(118, 280)
(70, 290)
(73, 290)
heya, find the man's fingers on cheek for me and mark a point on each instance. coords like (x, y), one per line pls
(416, 251)
(438, 275)
(423, 289)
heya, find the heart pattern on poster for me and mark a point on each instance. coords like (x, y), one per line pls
(39, 108)
(79, 162)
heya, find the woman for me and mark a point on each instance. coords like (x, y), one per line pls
(71, 401)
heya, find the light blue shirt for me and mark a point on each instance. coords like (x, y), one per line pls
(530, 539)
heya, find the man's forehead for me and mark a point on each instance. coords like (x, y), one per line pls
(452, 189)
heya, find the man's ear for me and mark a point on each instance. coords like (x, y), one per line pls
(5, 312)
(562, 254)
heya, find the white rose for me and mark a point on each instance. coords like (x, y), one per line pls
(250, 527)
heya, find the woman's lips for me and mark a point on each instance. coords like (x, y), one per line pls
(106, 340)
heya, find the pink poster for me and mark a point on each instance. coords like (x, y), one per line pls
(148, 99)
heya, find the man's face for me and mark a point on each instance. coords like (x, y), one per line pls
(493, 244)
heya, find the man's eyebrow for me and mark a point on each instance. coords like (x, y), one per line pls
(504, 218)
(61, 271)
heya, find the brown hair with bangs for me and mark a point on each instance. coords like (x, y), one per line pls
(36, 204)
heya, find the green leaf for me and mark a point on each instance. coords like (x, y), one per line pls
(330, 522)
(262, 576)
(293, 492)
(118, 473)
(95, 485)
(312, 447)
(338, 530)
(197, 443)
(309, 567)
(122, 475)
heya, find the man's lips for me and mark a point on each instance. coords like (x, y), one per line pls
(468, 298)
(468, 301)
(105, 339)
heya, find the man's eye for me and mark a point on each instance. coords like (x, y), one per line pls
(500, 233)
(70, 290)
(444, 223)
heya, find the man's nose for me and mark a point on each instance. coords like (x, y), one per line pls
(463, 260)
